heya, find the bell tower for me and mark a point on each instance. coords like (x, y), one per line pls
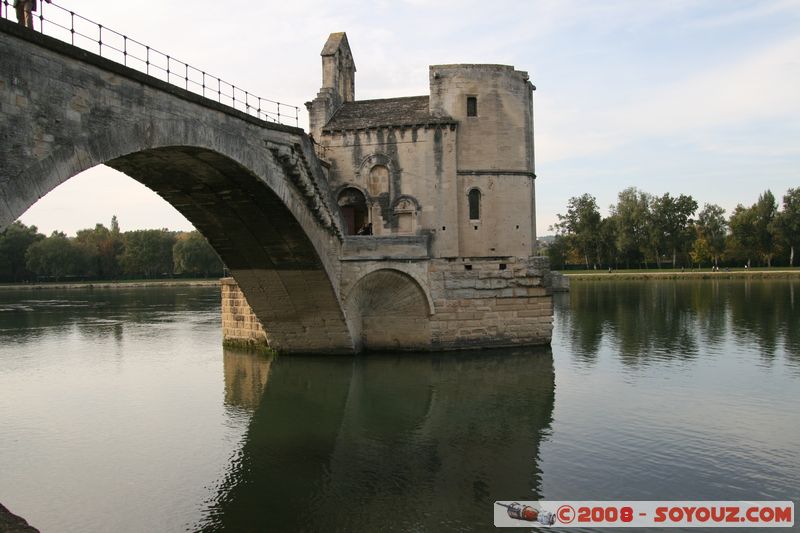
(338, 82)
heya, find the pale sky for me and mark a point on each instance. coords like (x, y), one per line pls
(685, 96)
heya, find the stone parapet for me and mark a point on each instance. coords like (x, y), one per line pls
(377, 248)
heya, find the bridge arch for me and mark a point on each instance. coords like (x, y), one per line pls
(389, 310)
(252, 188)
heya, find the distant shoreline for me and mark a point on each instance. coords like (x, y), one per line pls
(622, 275)
(616, 275)
(133, 284)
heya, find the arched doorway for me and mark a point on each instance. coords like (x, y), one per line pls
(389, 310)
(354, 209)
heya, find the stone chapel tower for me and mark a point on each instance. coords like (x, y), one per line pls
(456, 165)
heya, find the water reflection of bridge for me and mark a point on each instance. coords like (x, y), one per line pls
(411, 442)
(245, 378)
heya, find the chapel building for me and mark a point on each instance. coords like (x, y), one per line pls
(455, 166)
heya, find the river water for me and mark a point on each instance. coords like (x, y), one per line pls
(120, 411)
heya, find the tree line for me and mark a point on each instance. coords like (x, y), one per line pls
(643, 230)
(102, 253)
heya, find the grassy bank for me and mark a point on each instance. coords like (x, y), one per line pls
(739, 273)
(122, 284)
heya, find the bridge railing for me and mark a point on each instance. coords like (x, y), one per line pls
(66, 25)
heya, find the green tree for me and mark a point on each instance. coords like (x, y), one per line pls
(712, 228)
(744, 239)
(14, 243)
(787, 222)
(102, 248)
(671, 220)
(581, 226)
(557, 251)
(607, 241)
(56, 257)
(765, 210)
(147, 252)
(656, 236)
(632, 214)
(701, 250)
(192, 254)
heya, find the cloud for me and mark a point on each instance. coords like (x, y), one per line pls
(747, 15)
(759, 87)
(763, 85)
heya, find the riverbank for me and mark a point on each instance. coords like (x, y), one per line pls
(11, 523)
(132, 284)
(624, 275)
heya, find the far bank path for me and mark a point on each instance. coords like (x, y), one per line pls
(112, 284)
(689, 274)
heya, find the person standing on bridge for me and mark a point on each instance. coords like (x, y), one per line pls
(25, 9)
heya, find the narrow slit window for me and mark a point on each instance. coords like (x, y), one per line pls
(472, 106)
(474, 204)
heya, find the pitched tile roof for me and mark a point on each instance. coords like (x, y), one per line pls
(407, 111)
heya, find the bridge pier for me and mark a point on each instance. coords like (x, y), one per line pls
(410, 303)
(240, 325)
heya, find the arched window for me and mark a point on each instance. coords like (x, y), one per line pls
(354, 209)
(474, 197)
(378, 180)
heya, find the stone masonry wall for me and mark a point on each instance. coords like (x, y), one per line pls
(421, 163)
(490, 302)
(239, 324)
(500, 135)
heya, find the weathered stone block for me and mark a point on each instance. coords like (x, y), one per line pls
(491, 283)
(460, 283)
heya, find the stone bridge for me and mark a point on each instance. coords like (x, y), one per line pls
(261, 196)
(255, 189)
